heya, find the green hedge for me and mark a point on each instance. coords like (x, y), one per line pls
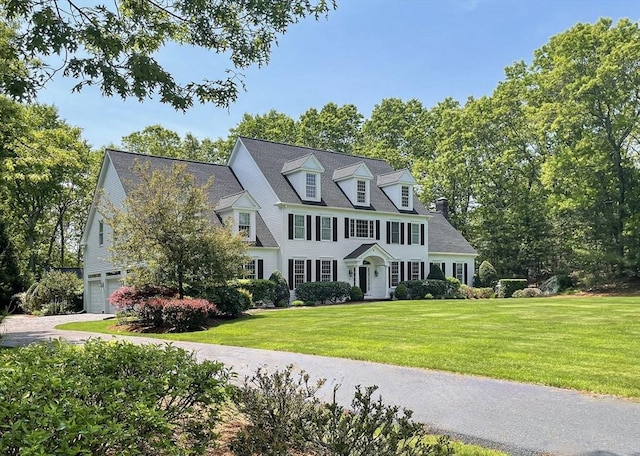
(323, 291)
(230, 300)
(108, 398)
(506, 287)
(262, 290)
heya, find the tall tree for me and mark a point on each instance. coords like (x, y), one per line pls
(395, 132)
(165, 232)
(11, 279)
(585, 88)
(334, 127)
(160, 141)
(114, 44)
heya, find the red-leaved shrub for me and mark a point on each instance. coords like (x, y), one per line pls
(186, 314)
(128, 298)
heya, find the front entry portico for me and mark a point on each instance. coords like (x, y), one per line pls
(368, 266)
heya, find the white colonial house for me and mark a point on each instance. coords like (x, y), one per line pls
(312, 214)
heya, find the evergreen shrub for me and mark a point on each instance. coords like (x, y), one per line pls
(435, 273)
(356, 294)
(506, 287)
(401, 292)
(488, 274)
(282, 292)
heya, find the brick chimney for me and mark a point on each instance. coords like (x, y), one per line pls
(442, 206)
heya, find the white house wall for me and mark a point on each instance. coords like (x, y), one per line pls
(252, 179)
(96, 257)
(450, 259)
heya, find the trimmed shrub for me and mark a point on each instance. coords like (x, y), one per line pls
(149, 313)
(323, 291)
(128, 298)
(416, 289)
(229, 300)
(261, 290)
(484, 293)
(356, 294)
(435, 273)
(477, 283)
(180, 315)
(488, 274)
(467, 292)
(527, 293)
(436, 288)
(108, 398)
(506, 287)
(401, 292)
(453, 288)
(297, 303)
(282, 293)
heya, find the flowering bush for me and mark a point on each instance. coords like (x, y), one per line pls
(527, 293)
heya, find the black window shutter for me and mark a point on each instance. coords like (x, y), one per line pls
(308, 270)
(409, 233)
(335, 229)
(308, 227)
(260, 269)
(402, 271)
(444, 269)
(422, 234)
(318, 237)
(409, 263)
(466, 273)
(388, 232)
(346, 227)
(317, 270)
(453, 273)
(402, 233)
(335, 270)
(290, 274)
(377, 230)
(290, 226)
(389, 271)
(422, 270)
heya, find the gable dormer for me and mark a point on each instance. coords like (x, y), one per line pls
(240, 209)
(398, 186)
(305, 174)
(355, 182)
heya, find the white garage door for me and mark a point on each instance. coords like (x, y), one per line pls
(96, 298)
(112, 285)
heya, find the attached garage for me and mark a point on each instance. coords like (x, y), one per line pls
(96, 297)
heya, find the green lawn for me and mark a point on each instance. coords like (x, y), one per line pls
(589, 344)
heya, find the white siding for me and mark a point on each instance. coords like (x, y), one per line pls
(450, 259)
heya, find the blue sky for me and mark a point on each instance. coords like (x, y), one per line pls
(365, 51)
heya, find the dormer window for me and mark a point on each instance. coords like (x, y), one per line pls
(303, 174)
(405, 196)
(362, 192)
(244, 223)
(311, 187)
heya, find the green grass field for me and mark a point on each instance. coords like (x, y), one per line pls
(585, 343)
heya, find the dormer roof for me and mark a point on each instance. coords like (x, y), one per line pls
(357, 170)
(308, 162)
(402, 176)
(241, 200)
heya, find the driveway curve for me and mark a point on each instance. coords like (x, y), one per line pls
(521, 419)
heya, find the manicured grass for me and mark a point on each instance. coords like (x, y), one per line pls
(585, 343)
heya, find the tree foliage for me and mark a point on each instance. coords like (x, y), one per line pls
(166, 232)
(162, 142)
(116, 45)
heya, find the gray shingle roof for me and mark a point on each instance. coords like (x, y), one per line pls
(359, 251)
(347, 171)
(225, 182)
(271, 156)
(390, 178)
(444, 238)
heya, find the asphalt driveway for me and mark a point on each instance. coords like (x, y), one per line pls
(521, 419)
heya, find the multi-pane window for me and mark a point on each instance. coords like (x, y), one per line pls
(361, 192)
(311, 186)
(415, 270)
(101, 232)
(325, 271)
(395, 273)
(415, 233)
(298, 272)
(395, 232)
(244, 223)
(250, 270)
(298, 226)
(325, 228)
(459, 272)
(362, 229)
(405, 196)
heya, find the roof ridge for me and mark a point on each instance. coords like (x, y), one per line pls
(199, 162)
(312, 148)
